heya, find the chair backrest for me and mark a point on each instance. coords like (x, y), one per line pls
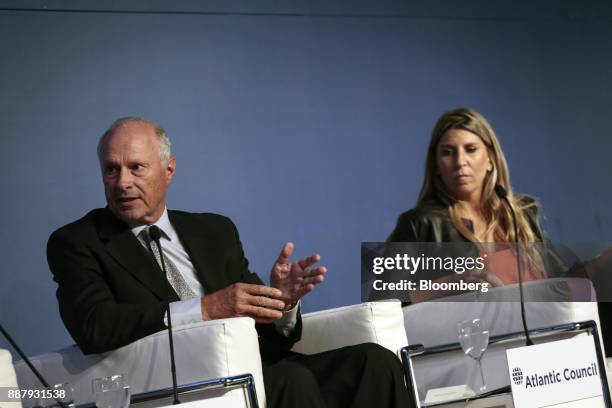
(374, 322)
(548, 302)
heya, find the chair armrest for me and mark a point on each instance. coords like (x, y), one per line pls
(203, 350)
(374, 322)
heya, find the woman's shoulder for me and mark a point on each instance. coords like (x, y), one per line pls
(526, 201)
(530, 206)
(425, 212)
(424, 223)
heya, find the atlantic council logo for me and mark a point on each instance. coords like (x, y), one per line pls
(517, 376)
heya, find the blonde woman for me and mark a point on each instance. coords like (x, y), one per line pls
(458, 203)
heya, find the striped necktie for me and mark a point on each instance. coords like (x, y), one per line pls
(173, 275)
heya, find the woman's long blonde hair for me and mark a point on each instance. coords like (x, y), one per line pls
(497, 215)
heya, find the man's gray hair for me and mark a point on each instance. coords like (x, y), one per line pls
(165, 147)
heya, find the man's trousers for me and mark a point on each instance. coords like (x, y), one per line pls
(366, 375)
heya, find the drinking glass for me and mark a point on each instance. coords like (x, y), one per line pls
(65, 393)
(474, 339)
(111, 392)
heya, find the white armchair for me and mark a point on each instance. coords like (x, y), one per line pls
(435, 323)
(214, 349)
(7, 377)
(206, 350)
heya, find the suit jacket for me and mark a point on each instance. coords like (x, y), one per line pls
(112, 292)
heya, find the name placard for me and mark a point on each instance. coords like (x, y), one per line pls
(555, 373)
(454, 392)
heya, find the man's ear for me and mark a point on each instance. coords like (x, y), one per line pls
(170, 168)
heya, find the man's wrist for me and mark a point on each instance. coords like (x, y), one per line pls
(287, 322)
(293, 306)
(203, 311)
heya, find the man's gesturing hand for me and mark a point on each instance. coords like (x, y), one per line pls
(242, 299)
(295, 279)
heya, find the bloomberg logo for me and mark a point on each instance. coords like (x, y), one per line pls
(553, 377)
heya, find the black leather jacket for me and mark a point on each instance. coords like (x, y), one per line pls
(431, 223)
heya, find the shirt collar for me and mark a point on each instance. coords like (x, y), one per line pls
(163, 223)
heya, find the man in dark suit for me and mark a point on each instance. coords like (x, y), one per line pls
(111, 291)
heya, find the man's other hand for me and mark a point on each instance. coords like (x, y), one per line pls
(295, 279)
(243, 299)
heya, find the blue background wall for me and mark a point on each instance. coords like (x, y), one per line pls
(303, 121)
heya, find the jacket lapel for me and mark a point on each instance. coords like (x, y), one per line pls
(125, 248)
(205, 252)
